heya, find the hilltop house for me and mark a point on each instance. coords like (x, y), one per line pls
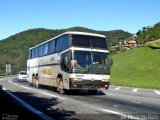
(130, 43)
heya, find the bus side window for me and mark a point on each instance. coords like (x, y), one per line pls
(45, 49)
(58, 44)
(65, 42)
(55, 44)
(30, 55)
(51, 47)
(36, 52)
(40, 50)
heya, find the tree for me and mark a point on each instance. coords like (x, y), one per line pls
(139, 32)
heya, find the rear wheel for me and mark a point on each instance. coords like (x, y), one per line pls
(33, 81)
(36, 83)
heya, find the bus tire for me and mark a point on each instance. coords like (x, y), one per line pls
(33, 80)
(60, 87)
(36, 83)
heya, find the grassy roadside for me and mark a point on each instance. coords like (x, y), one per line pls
(139, 67)
(1, 76)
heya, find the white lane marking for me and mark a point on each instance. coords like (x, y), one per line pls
(135, 90)
(84, 104)
(13, 83)
(117, 88)
(53, 95)
(1, 79)
(109, 94)
(29, 107)
(106, 92)
(157, 92)
(118, 113)
(26, 87)
(35, 89)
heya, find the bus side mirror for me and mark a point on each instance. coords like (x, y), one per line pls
(110, 61)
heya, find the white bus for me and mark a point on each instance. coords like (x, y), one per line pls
(71, 61)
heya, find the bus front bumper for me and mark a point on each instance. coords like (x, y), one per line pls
(89, 85)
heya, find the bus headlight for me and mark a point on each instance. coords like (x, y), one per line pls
(105, 80)
(75, 79)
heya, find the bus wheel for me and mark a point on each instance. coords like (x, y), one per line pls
(36, 83)
(60, 88)
(33, 81)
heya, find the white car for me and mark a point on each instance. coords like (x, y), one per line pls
(22, 75)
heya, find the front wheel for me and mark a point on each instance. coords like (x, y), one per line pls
(60, 87)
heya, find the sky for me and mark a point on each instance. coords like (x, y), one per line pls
(128, 15)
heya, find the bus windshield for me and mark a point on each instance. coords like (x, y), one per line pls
(90, 62)
(89, 41)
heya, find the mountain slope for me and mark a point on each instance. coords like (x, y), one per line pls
(14, 49)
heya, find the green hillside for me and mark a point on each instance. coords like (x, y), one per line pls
(150, 34)
(14, 49)
(139, 67)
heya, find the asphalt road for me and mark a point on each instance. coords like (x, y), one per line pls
(113, 104)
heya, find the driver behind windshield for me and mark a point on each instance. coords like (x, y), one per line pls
(82, 59)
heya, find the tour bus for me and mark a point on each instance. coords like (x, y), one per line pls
(71, 61)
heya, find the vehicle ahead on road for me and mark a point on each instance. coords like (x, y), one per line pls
(72, 60)
(22, 75)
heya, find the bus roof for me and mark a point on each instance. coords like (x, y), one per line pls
(73, 33)
(84, 33)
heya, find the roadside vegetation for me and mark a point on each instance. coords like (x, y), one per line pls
(154, 44)
(149, 33)
(138, 67)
